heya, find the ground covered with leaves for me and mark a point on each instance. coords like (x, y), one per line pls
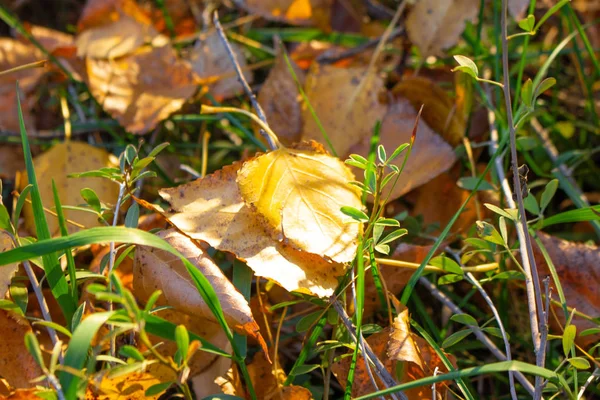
(299, 199)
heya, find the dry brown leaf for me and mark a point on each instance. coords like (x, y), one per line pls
(517, 8)
(439, 110)
(430, 155)
(141, 89)
(7, 271)
(299, 193)
(17, 366)
(11, 161)
(131, 386)
(97, 13)
(346, 102)
(579, 271)
(435, 25)
(403, 344)
(159, 270)
(211, 209)
(56, 164)
(23, 394)
(211, 63)
(411, 371)
(298, 12)
(204, 383)
(280, 98)
(14, 53)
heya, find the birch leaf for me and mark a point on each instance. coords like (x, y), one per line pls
(299, 193)
(211, 209)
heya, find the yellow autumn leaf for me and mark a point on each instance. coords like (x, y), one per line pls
(346, 100)
(130, 386)
(299, 192)
(211, 209)
(56, 164)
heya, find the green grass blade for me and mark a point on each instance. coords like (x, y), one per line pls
(307, 348)
(54, 275)
(64, 232)
(242, 280)
(579, 215)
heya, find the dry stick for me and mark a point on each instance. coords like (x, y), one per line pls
(481, 336)
(242, 80)
(488, 300)
(330, 59)
(534, 294)
(380, 370)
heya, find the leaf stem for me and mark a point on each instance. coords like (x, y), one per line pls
(406, 264)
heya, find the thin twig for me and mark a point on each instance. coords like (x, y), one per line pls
(588, 382)
(242, 80)
(380, 370)
(490, 303)
(534, 294)
(479, 334)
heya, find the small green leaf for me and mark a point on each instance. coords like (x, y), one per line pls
(33, 347)
(132, 352)
(304, 369)
(503, 229)
(77, 316)
(495, 332)
(579, 362)
(306, 322)
(20, 295)
(548, 193)
(354, 213)
(182, 338)
(466, 65)
(527, 93)
(464, 319)
(500, 211)
(455, 338)
(397, 152)
(133, 216)
(381, 154)
(506, 275)
(543, 86)
(590, 331)
(446, 264)
(527, 24)
(158, 149)
(488, 232)
(526, 143)
(356, 164)
(469, 183)
(383, 249)
(398, 233)
(20, 204)
(4, 217)
(130, 153)
(158, 388)
(91, 198)
(448, 279)
(568, 338)
(387, 222)
(531, 205)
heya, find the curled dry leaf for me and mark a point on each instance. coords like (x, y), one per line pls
(299, 193)
(14, 54)
(444, 20)
(141, 89)
(211, 209)
(56, 164)
(579, 271)
(411, 371)
(211, 63)
(17, 366)
(131, 386)
(430, 155)
(7, 271)
(346, 100)
(159, 270)
(439, 110)
(298, 12)
(280, 98)
(403, 344)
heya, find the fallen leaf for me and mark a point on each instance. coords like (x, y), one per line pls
(299, 193)
(131, 386)
(11, 161)
(439, 110)
(430, 155)
(211, 63)
(297, 12)
(23, 394)
(159, 270)
(579, 272)
(56, 164)
(203, 383)
(211, 209)
(13, 54)
(99, 13)
(403, 344)
(8, 271)
(435, 25)
(411, 371)
(141, 89)
(517, 8)
(280, 98)
(17, 366)
(346, 102)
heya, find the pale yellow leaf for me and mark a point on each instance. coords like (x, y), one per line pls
(435, 25)
(56, 164)
(299, 193)
(430, 155)
(131, 386)
(298, 12)
(160, 270)
(211, 63)
(143, 88)
(211, 209)
(7, 271)
(346, 100)
(402, 345)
